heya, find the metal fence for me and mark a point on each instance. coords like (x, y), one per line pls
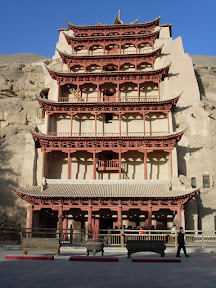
(115, 237)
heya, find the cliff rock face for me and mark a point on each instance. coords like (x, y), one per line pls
(22, 80)
(196, 151)
(20, 83)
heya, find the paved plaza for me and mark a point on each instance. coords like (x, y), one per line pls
(198, 271)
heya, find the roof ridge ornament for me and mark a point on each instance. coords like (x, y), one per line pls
(99, 23)
(135, 22)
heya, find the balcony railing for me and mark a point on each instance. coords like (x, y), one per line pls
(105, 165)
(72, 99)
(123, 52)
(102, 134)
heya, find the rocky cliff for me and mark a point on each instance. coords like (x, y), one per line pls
(20, 82)
(23, 77)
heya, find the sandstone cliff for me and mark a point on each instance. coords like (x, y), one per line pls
(196, 151)
(20, 83)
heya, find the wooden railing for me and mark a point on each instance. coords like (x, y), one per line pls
(71, 99)
(108, 164)
(107, 52)
(92, 134)
(112, 237)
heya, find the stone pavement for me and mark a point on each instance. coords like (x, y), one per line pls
(198, 271)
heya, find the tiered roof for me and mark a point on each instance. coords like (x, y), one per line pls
(153, 189)
(113, 76)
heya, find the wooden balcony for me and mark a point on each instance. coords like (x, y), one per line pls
(107, 165)
(72, 99)
(107, 52)
(102, 134)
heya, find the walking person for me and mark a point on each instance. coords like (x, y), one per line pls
(181, 243)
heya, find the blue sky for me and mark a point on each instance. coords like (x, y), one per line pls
(32, 26)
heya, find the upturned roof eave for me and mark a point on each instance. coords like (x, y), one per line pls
(110, 103)
(109, 55)
(21, 193)
(162, 137)
(62, 74)
(112, 36)
(72, 26)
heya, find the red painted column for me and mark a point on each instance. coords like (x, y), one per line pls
(179, 217)
(144, 128)
(43, 164)
(85, 67)
(94, 165)
(120, 124)
(78, 88)
(93, 224)
(95, 124)
(60, 217)
(97, 223)
(119, 214)
(138, 90)
(149, 216)
(120, 164)
(71, 130)
(98, 90)
(118, 90)
(48, 118)
(69, 165)
(135, 65)
(145, 165)
(65, 227)
(90, 217)
(65, 223)
(99, 93)
(58, 92)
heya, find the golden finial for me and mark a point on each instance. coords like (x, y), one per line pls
(119, 14)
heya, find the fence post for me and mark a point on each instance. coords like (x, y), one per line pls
(71, 235)
(109, 238)
(202, 241)
(122, 238)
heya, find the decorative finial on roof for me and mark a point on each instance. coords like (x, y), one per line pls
(118, 18)
(135, 21)
(119, 15)
(99, 23)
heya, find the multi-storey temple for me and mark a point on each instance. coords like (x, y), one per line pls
(107, 151)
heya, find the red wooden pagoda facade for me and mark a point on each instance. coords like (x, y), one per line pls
(105, 84)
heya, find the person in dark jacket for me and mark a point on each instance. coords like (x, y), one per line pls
(181, 243)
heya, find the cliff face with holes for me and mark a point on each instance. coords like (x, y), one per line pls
(196, 151)
(22, 80)
(20, 83)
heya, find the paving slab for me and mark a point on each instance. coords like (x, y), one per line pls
(196, 271)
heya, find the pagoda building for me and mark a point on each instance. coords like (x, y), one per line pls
(106, 153)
